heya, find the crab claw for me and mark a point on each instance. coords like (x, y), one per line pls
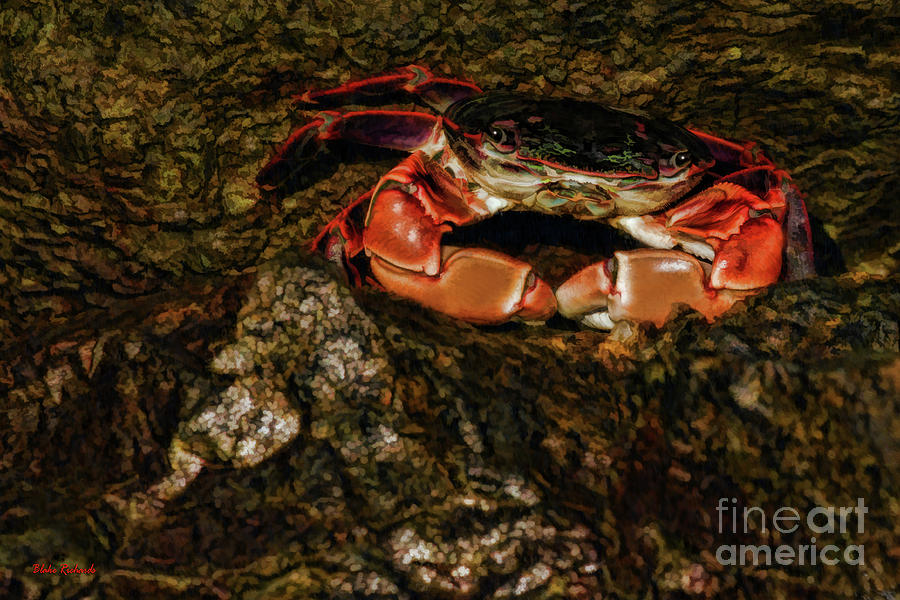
(475, 285)
(751, 258)
(587, 291)
(641, 285)
(741, 227)
(741, 234)
(412, 207)
(718, 212)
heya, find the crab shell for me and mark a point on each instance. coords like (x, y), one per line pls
(553, 151)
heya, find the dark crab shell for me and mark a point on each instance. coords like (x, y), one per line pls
(572, 134)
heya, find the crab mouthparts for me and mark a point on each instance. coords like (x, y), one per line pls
(586, 200)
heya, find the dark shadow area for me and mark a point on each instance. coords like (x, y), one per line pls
(514, 231)
(829, 259)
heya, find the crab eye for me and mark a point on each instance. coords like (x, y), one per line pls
(503, 139)
(681, 159)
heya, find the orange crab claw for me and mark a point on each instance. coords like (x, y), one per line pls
(744, 230)
(400, 231)
(411, 208)
(586, 291)
(647, 286)
(650, 283)
(750, 259)
(717, 212)
(474, 284)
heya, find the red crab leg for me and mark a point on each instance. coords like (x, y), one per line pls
(396, 130)
(412, 207)
(437, 92)
(736, 154)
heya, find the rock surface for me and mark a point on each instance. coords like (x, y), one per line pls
(198, 407)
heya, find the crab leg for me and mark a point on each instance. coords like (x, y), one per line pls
(412, 207)
(736, 154)
(437, 92)
(395, 130)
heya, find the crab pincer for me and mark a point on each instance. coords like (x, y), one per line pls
(414, 205)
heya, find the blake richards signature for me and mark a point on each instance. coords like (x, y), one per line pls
(64, 569)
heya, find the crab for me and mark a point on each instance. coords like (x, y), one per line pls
(717, 219)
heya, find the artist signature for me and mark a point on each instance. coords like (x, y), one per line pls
(64, 569)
